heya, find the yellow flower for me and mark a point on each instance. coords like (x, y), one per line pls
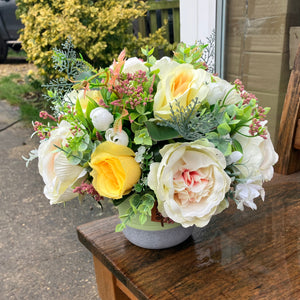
(179, 82)
(84, 97)
(115, 170)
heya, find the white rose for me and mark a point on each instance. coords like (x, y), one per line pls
(259, 156)
(190, 182)
(133, 65)
(60, 177)
(118, 137)
(101, 118)
(218, 91)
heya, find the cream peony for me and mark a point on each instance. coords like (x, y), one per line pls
(258, 158)
(190, 182)
(179, 82)
(59, 175)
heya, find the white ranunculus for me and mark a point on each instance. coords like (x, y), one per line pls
(101, 118)
(259, 156)
(60, 177)
(190, 182)
(117, 137)
(218, 90)
(133, 65)
(245, 193)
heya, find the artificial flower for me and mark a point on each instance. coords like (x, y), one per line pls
(190, 182)
(219, 89)
(59, 175)
(101, 118)
(259, 155)
(115, 170)
(181, 83)
(84, 97)
(117, 137)
(245, 193)
(133, 65)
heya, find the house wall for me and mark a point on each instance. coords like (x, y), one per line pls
(257, 49)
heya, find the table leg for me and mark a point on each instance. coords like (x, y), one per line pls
(109, 287)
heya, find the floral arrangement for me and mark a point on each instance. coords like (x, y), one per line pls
(164, 135)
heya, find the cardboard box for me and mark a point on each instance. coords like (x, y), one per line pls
(257, 49)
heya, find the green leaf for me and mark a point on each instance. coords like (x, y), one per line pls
(120, 227)
(143, 218)
(135, 201)
(237, 146)
(92, 104)
(161, 133)
(140, 109)
(224, 147)
(80, 115)
(74, 160)
(223, 129)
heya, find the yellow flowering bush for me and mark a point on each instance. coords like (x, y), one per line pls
(99, 29)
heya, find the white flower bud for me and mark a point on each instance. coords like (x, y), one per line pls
(120, 138)
(101, 118)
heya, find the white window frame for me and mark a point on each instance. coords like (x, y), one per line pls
(198, 19)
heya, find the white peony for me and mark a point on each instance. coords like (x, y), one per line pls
(101, 118)
(60, 177)
(117, 137)
(190, 182)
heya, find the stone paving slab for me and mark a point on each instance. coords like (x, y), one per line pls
(40, 255)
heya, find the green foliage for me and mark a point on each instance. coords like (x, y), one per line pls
(25, 94)
(141, 205)
(100, 30)
(190, 54)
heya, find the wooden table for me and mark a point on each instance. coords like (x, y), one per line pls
(239, 255)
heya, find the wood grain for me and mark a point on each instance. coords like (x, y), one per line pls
(238, 255)
(289, 156)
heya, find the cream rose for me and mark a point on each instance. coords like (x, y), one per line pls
(259, 156)
(115, 170)
(179, 82)
(59, 175)
(190, 182)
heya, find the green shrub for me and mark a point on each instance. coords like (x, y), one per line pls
(100, 30)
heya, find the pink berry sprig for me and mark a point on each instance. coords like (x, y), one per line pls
(86, 188)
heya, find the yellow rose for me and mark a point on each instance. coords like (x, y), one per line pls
(115, 170)
(179, 82)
